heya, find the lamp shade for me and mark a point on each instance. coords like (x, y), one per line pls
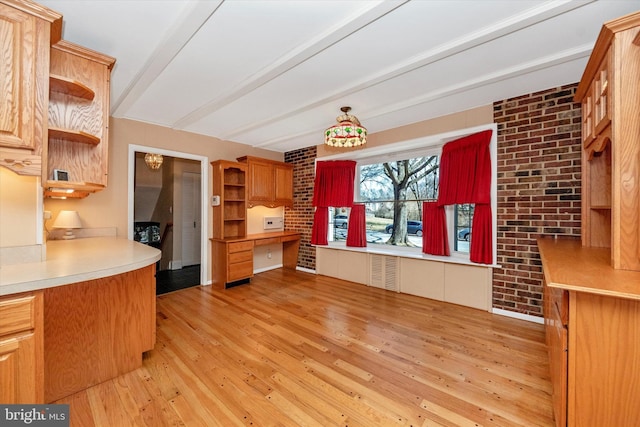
(348, 132)
(68, 220)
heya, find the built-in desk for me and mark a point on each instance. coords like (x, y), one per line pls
(232, 258)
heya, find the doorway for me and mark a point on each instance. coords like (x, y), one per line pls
(186, 175)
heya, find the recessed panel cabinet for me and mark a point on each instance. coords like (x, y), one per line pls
(21, 349)
(270, 183)
(26, 32)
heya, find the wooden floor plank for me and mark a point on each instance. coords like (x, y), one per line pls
(294, 349)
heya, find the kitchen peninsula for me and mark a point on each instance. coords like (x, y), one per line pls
(83, 316)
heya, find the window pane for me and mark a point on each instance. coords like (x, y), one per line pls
(463, 218)
(396, 189)
(338, 221)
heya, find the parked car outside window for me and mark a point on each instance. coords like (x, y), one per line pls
(464, 234)
(340, 221)
(413, 227)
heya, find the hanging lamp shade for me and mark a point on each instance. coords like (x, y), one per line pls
(348, 132)
(154, 161)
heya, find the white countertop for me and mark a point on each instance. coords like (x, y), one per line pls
(71, 261)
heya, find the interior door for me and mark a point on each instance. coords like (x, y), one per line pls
(191, 221)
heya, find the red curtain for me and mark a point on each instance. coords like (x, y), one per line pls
(481, 244)
(320, 226)
(465, 170)
(465, 177)
(434, 232)
(357, 231)
(333, 187)
(334, 183)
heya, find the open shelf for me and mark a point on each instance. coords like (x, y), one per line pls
(73, 135)
(67, 86)
(90, 187)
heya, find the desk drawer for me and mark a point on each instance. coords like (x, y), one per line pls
(16, 314)
(268, 241)
(237, 257)
(240, 270)
(240, 246)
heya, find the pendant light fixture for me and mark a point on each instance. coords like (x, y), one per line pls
(348, 132)
(154, 161)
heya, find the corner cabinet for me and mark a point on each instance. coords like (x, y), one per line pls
(78, 131)
(609, 92)
(27, 31)
(270, 183)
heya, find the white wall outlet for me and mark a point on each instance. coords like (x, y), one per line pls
(47, 214)
(215, 200)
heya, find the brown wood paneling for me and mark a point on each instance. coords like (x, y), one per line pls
(97, 330)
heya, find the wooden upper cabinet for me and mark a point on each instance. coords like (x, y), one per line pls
(610, 92)
(26, 33)
(78, 120)
(270, 183)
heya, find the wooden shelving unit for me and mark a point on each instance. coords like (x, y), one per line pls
(229, 183)
(78, 120)
(67, 86)
(609, 91)
(73, 136)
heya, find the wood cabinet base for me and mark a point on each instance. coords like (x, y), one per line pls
(97, 330)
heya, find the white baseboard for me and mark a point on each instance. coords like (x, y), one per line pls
(271, 267)
(306, 270)
(521, 316)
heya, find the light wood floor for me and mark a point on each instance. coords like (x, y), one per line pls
(296, 349)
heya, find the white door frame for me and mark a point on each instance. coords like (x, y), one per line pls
(204, 194)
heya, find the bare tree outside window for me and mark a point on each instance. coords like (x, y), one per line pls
(396, 190)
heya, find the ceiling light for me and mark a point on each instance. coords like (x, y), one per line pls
(347, 133)
(154, 161)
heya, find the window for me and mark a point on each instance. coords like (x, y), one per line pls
(393, 193)
(392, 182)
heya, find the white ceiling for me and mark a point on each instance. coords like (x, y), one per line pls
(274, 73)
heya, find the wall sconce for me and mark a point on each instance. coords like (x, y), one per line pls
(153, 161)
(68, 220)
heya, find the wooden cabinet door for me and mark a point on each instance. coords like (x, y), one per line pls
(18, 370)
(23, 97)
(283, 178)
(24, 79)
(261, 183)
(21, 349)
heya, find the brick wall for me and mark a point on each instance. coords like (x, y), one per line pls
(300, 218)
(539, 145)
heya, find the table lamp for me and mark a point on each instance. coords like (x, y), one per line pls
(68, 220)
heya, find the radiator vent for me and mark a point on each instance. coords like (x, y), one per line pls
(384, 272)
